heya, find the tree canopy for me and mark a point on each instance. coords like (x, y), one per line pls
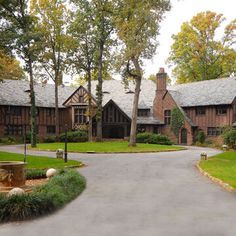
(18, 35)
(137, 26)
(10, 67)
(198, 53)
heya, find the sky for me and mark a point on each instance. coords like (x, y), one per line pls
(182, 11)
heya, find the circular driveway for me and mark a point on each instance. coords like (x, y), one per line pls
(139, 195)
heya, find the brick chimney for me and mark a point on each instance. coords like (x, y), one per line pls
(161, 80)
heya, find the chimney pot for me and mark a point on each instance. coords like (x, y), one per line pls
(161, 79)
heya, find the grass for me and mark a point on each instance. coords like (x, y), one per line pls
(108, 147)
(38, 162)
(222, 166)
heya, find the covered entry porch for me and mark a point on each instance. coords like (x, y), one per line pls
(115, 123)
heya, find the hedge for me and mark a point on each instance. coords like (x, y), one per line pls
(44, 199)
(153, 138)
(75, 136)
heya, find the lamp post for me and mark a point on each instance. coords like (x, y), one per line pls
(65, 157)
(24, 143)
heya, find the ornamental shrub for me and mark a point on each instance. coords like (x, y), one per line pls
(49, 139)
(201, 137)
(143, 137)
(230, 137)
(75, 136)
(153, 138)
(44, 199)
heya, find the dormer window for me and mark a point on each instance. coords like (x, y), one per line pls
(221, 110)
(200, 111)
(143, 112)
(14, 111)
(130, 92)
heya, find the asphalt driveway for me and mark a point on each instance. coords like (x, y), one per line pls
(139, 195)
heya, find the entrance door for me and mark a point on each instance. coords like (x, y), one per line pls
(113, 131)
(116, 132)
(183, 136)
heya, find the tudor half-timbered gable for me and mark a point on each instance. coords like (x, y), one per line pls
(77, 103)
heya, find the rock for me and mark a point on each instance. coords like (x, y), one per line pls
(51, 172)
(16, 191)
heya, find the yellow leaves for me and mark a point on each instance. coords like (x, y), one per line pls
(138, 25)
(196, 52)
(10, 68)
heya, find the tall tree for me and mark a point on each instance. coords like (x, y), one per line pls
(137, 26)
(84, 48)
(197, 52)
(10, 67)
(103, 15)
(52, 24)
(18, 34)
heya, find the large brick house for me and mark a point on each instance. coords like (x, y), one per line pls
(207, 106)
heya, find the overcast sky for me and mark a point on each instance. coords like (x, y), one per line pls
(182, 11)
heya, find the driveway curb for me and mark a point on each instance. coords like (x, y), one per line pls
(224, 185)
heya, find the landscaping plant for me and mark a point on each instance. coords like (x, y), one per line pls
(153, 138)
(230, 138)
(44, 199)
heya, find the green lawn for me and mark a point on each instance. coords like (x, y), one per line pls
(222, 166)
(38, 162)
(107, 147)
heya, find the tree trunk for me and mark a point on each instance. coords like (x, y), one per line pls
(56, 108)
(33, 107)
(90, 126)
(99, 95)
(132, 140)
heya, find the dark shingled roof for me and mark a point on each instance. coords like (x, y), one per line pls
(16, 92)
(205, 93)
(210, 92)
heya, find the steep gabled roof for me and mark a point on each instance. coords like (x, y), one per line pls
(123, 97)
(205, 93)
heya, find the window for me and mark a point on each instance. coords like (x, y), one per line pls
(200, 111)
(141, 129)
(50, 112)
(221, 110)
(80, 116)
(13, 130)
(214, 131)
(14, 111)
(156, 130)
(143, 112)
(51, 129)
(167, 117)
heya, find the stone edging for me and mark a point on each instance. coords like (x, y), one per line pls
(224, 185)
